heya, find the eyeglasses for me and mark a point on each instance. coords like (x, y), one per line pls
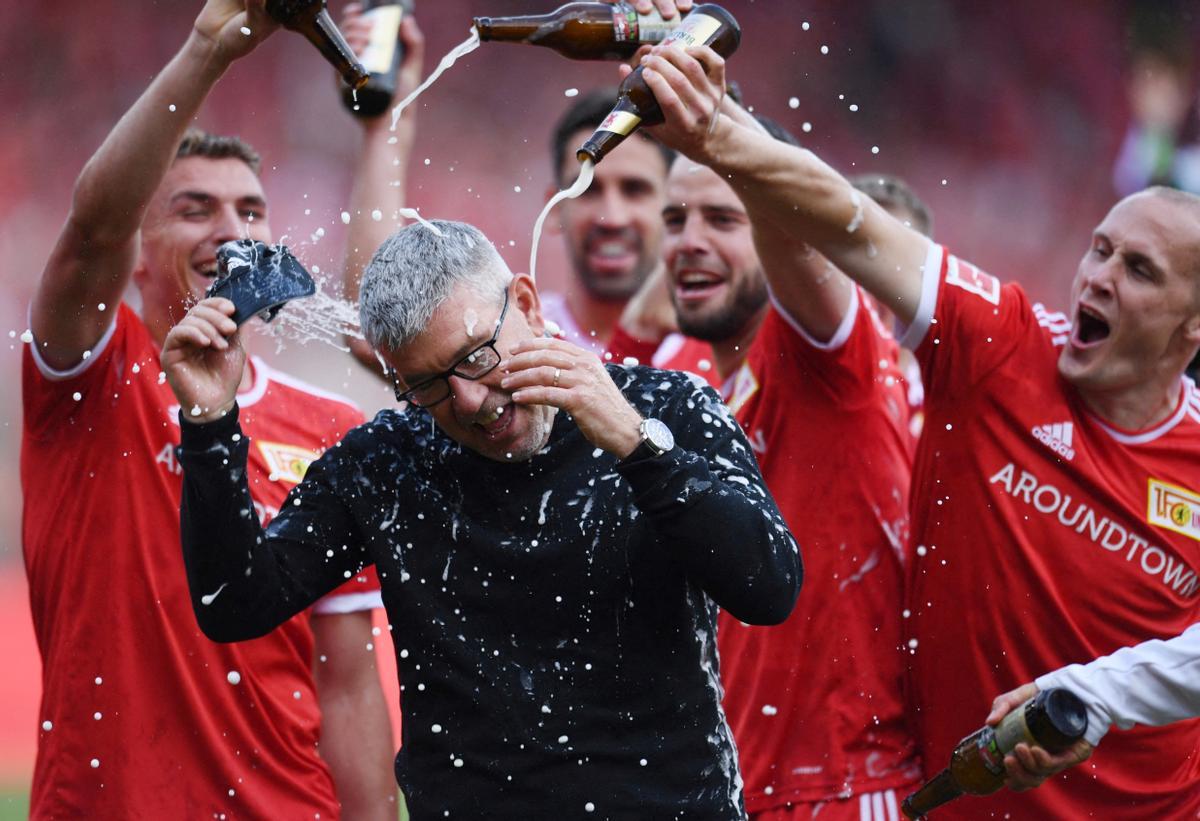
(475, 365)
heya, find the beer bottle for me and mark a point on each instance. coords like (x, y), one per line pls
(708, 24)
(382, 58)
(581, 31)
(1053, 719)
(311, 18)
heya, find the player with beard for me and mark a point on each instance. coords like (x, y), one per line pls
(1056, 513)
(811, 374)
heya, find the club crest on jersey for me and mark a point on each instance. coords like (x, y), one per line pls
(286, 463)
(1174, 508)
(966, 276)
(1058, 437)
(744, 387)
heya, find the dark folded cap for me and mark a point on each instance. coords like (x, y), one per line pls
(259, 278)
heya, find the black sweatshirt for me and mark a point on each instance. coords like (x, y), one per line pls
(554, 620)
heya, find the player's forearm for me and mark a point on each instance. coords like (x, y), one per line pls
(378, 190)
(356, 731)
(793, 191)
(118, 181)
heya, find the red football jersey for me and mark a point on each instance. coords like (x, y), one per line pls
(816, 704)
(141, 715)
(675, 353)
(1044, 536)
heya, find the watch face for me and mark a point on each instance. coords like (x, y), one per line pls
(658, 435)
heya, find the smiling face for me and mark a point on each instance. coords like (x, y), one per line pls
(201, 203)
(478, 414)
(1136, 297)
(717, 282)
(613, 230)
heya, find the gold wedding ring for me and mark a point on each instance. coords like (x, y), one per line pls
(557, 374)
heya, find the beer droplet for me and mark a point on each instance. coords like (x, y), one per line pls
(234, 677)
(793, 102)
(246, 30)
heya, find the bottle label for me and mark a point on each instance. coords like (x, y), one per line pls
(695, 30)
(989, 752)
(631, 27)
(381, 45)
(995, 743)
(620, 122)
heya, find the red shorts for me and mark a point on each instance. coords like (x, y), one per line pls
(869, 806)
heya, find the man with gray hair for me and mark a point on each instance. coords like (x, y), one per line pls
(553, 537)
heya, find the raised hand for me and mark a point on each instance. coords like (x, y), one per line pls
(689, 85)
(225, 23)
(356, 28)
(554, 372)
(204, 360)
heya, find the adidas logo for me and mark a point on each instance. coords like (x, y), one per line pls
(1057, 437)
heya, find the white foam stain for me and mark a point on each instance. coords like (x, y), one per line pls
(857, 221)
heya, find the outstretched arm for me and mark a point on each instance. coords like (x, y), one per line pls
(1153, 683)
(784, 186)
(98, 247)
(381, 172)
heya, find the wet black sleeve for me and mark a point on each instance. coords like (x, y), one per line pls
(709, 503)
(244, 580)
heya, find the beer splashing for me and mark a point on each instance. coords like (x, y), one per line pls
(462, 49)
(586, 172)
(323, 317)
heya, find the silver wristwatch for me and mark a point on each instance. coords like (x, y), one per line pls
(656, 439)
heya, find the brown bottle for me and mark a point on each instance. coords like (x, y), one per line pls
(707, 24)
(1053, 719)
(311, 18)
(581, 31)
(382, 58)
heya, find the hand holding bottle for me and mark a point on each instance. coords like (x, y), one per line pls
(234, 27)
(386, 38)
(688, 85)
(1027, 766)
(666, 8)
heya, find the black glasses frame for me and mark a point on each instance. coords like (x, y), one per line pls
(444, 376)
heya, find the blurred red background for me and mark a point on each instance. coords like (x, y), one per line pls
(1006, 118)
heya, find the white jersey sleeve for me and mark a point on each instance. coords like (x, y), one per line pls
(1153, 683)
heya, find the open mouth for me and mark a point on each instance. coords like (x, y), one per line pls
(611, 255)
(208, 270)
(696, 285)
(497, 422)
(1090, 328)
